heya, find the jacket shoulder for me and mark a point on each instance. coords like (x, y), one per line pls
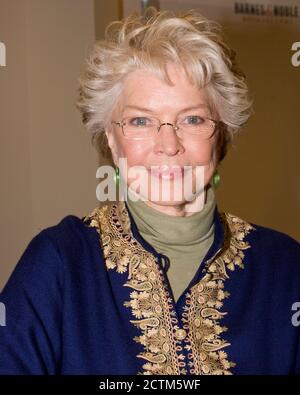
(268, 244)
(46, 253)
(263, 233)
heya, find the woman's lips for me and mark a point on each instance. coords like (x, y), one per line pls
(166, 173)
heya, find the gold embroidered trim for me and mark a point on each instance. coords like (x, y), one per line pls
(152, 306)
(150, 302)
(204, 301)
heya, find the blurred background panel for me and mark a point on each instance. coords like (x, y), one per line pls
(47, 163)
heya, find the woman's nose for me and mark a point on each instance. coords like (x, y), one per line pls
(167, 140)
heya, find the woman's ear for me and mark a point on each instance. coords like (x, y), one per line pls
(112, 143)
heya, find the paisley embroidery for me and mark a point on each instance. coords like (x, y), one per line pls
(204, 301)
(162, 338)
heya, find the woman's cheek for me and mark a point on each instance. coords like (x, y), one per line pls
(133, 156)
(133, 152)
(202, 154)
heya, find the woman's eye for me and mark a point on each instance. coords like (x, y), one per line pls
(140, 121)
(193, 120)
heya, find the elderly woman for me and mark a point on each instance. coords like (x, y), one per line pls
(160, 284)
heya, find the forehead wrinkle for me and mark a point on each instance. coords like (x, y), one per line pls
(158, 99)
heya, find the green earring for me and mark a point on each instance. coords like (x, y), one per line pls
(216, 179)
(117, 176)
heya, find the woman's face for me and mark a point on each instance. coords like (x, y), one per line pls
(145, 95)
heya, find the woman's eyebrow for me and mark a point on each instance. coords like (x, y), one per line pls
(136, 107)
(196, 107)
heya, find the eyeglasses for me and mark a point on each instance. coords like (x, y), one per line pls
(144, 127)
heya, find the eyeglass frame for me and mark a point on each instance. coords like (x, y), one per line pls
(174, 126)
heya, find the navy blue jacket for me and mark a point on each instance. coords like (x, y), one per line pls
(91, 296)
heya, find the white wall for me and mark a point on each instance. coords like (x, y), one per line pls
(47, 162)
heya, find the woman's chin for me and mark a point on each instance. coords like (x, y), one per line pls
(167, 203)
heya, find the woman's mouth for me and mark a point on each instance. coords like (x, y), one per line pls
(166, 172)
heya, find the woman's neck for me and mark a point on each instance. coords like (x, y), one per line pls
(180, 210)
(163, 230)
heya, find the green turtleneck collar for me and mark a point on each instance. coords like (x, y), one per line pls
(184, 240)
(172, 235)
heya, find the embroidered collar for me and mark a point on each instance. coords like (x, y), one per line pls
(192, 345)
